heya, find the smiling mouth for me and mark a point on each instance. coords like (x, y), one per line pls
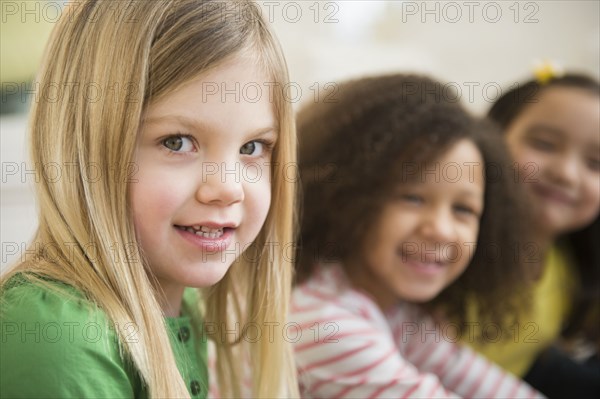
(423, 263)
(204, 231)
(553, 195)
(424, 268)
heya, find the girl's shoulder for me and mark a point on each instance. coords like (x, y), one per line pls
(328, 293)
(29, 298)
(55, 342)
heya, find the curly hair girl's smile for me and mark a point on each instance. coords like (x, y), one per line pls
(423, 239)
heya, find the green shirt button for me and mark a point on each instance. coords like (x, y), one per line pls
(184, 334)
(195, 387)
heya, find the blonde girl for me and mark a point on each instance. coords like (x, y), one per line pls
(166, 183)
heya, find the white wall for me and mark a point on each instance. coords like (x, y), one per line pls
(17, 210)
(383, 36)
(369, 37)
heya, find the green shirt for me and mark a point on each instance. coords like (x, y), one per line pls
(55, 344)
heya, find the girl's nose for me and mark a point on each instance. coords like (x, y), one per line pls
(564, 169)
(437, 225)
(221, 184)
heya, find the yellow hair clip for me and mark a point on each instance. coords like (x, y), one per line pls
(545, 71)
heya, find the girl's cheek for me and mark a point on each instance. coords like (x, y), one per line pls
(525, 157)
(467, 242)
(529, 167)
(527, 160)
(592, 194)
(265, 197)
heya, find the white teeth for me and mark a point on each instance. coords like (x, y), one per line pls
(215, 234)
(204, 231)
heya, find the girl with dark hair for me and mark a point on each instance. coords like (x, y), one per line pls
(403, 193)
(552, 128)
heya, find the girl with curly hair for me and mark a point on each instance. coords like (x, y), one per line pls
(409, 210)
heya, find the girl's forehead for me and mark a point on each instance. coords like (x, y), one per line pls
(563, 97)
(237, 81)
(460, 163)
(224, 78)
(571, 114)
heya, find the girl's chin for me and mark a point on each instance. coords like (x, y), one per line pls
(421, 297)
(207, 275)
(553, 224)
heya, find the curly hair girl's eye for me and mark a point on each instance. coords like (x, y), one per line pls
(465, 210)
(413, 198)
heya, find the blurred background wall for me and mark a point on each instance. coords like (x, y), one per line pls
(480, 48)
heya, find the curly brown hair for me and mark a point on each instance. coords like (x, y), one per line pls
(352, 152)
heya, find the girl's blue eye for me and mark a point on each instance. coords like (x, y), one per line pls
(178, 143)
(251, 148)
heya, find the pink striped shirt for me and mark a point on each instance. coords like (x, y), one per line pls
(349, 348)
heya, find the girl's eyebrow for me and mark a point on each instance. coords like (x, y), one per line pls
(595, 144)
(472, 193)
(540, 127)
(198, 125)
(185, 121)
(271, 132)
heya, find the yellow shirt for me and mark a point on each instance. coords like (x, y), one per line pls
(541, 326)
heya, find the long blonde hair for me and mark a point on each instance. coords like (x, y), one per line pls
(107, 60)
